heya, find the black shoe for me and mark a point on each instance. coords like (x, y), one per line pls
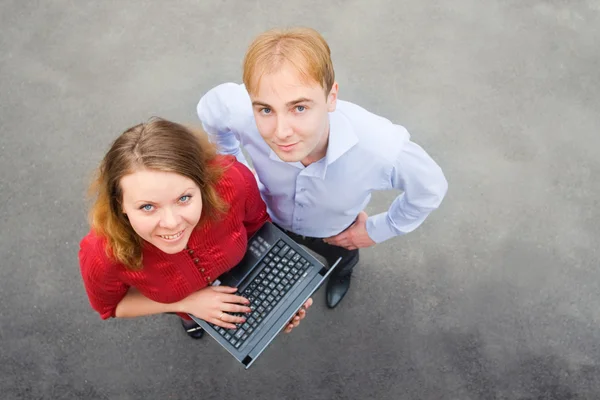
(339, 282)
(192, 329)
(337, 287)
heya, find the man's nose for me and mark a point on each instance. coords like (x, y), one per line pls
(284, 129)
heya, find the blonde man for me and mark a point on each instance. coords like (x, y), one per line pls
(318, 158)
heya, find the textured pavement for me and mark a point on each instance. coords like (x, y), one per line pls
(496, 296)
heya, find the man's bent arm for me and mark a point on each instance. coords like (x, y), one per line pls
(424, 186)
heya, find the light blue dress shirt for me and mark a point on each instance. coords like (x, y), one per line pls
(365, 153)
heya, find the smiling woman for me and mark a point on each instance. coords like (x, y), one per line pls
(169, 217)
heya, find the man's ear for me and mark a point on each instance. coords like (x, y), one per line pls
(332, 97)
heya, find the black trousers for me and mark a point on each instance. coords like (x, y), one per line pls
(330, 252)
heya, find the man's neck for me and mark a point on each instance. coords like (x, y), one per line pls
(319, 152)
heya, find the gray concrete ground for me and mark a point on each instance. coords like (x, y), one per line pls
(496, 296)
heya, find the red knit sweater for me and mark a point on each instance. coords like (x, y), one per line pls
(213, 248)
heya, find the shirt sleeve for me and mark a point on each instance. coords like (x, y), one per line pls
(255, 209)
(424, 186)
(217, 110)
(103, 288)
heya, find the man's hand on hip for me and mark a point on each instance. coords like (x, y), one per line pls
(355, 236)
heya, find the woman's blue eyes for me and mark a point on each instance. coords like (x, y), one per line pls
(149, 207)
(300, 108)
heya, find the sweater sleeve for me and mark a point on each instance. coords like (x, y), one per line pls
(255, 209)
(105, 291)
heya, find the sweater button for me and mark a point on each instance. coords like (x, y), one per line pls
(201, 269)
(196, 261)
(191, 252)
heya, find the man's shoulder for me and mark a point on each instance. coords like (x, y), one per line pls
(227, 102)
(375, 134)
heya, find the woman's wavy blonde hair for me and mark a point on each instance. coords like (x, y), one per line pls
(159, 145)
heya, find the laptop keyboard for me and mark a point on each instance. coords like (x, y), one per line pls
(280, 270)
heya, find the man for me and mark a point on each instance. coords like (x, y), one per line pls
(318, 158)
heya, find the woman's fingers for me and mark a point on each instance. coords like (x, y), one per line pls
(224, 289)
(227, 321)
(235, 308)
(231, 298)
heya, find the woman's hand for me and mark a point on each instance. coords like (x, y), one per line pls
(299, 316)
(214, 305)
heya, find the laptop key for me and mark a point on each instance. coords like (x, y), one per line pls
(239, 333)
(283, 251)
(238, 344)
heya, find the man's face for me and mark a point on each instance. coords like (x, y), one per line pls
(292, 115)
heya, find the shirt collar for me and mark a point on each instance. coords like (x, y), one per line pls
(341, 139)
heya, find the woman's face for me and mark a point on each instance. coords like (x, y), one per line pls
(163, 207)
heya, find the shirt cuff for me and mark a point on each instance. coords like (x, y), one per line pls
(379, 228)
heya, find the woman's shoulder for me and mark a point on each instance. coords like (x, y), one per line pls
(93, 255)
(235, 175)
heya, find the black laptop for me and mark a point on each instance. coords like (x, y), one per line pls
(277, 275)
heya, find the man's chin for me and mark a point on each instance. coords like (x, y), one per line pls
(289, 156)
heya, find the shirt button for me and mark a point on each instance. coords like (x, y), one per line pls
(201, 269)
(191, 252)
(196, 261)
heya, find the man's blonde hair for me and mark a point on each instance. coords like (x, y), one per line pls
(303, 48)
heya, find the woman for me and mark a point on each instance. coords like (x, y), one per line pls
(170, 216)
